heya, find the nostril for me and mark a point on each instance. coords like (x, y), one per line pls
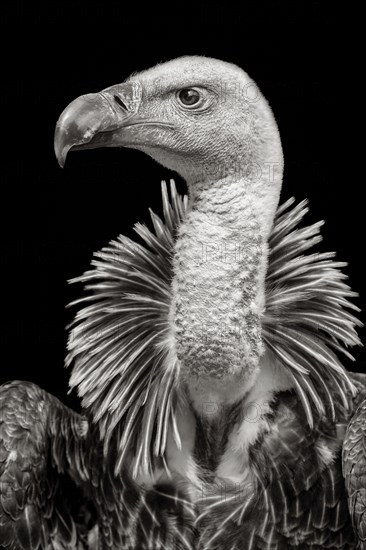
(120, 102)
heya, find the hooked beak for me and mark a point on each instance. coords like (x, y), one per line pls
(95, 120)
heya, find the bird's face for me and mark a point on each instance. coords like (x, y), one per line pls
(194, 115)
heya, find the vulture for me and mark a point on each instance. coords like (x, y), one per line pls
(207, 353)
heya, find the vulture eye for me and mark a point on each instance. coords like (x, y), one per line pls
(189, 97)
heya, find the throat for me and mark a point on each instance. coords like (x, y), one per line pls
(219, 266)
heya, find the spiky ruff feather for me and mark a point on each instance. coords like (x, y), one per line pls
(121, 350)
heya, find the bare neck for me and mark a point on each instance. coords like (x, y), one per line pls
(220, 265)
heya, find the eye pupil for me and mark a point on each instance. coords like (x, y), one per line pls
(188, 96)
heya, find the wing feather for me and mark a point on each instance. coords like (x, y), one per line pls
(42, 471)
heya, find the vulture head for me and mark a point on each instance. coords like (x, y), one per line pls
(201, 117)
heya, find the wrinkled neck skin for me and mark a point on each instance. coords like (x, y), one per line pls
(220, 266)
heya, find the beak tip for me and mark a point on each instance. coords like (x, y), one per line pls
(62, 161)
(61, 147)
(61, 157)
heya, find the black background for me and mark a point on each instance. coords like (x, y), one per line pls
(300, 55)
